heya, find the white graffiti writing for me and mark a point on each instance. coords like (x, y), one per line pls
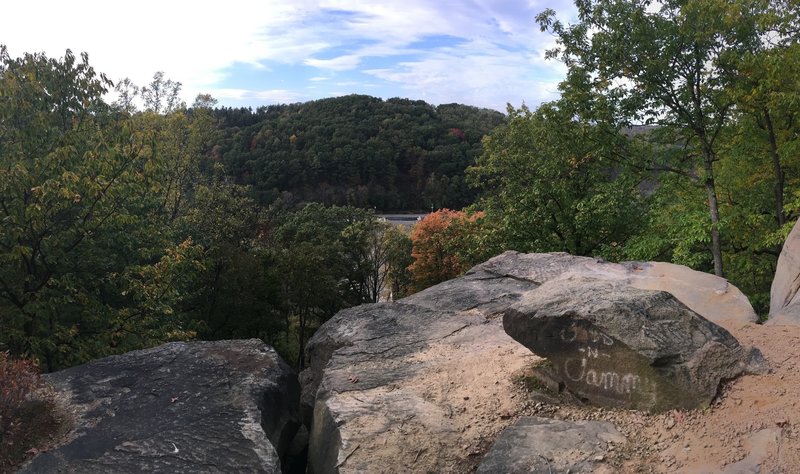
(580, 334)
(576, 370)
(593, 352)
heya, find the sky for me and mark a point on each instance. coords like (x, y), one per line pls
(485, 53)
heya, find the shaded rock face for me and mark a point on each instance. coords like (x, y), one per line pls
(534, 444)
(614, 345)
(784, 303)
(223, 406)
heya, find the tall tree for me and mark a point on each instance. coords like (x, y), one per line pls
(83, 266)
(549, 184)
(768, 93)
(669, 62)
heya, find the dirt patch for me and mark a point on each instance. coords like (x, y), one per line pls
(444, 418)
(44, 422)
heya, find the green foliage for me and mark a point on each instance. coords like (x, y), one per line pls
(675, 229)
(356, 150)
(326, 259)
(673, 63)
(398, 259)
(86, 268)
(550, 184)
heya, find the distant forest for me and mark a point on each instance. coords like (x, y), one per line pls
(392, 155)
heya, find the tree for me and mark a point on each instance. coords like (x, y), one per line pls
(367, 249)
(398, 260)
(767, 96)
(670, 62)
(548, 184)
(442, 244)
(327, 259)
(85, 266)
(237, 292)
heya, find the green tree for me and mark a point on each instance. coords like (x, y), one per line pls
(767, 97)
(670, 62)
(326, 260)
(398, 260)
(547, 185)
(85, 267)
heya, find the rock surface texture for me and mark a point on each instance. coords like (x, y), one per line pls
(224, 406)
(427, 383)
(421, 385)
(614, 345)
(784, 302)
(534, 444)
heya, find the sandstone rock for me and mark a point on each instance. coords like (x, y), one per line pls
(784, 302)
(543, 445)
(424, 384)
(614, 345)
(486, 289)
(708, 295)
(403, 387)
(224, 406)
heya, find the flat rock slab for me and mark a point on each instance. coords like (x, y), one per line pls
(784, 302)
(614, 345)
(542, 445)
(223, 406)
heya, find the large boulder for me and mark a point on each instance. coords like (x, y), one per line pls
(225, 406)
(421, 385)
(426, 384)
(614, 345)
(710, 296)
(784, 302)
(534, 444)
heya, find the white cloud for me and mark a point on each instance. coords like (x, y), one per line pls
(283, 96)
(500, 58)
(340, 63)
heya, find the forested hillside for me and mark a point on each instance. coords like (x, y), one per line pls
(393, 155)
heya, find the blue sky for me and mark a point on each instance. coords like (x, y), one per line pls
(250, 53)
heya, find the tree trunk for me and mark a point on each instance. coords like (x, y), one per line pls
(777, 169)
(713, 208)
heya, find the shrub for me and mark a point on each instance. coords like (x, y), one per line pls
(28, 419)
(19, 378)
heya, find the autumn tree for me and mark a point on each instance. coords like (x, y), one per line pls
(443, 243)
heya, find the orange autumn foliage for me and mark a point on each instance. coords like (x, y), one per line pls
(439, 243)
